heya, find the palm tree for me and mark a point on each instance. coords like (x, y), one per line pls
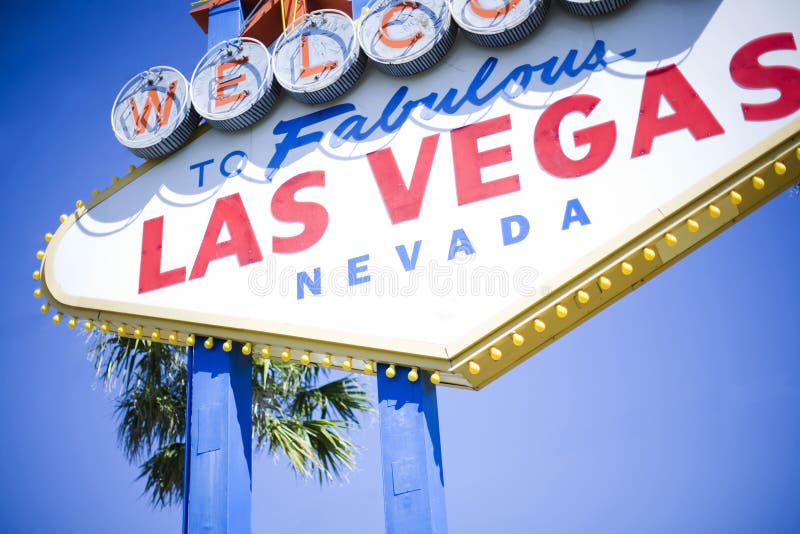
(296, 410)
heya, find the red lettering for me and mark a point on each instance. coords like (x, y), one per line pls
(306, 69)
(152, 101)
(492, 13)
(150, 275)
(223, 84)
(383, 32)
(690, 110)
(747, 71)
(313, 216)
(403, 203)
(546, 141)
(228, 211)
(468, 161)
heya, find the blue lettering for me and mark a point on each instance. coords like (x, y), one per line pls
(574, 212)
(291, 128)
(460, 243)
(200, 166)
(238, 170)
(515, 83)
(304, 281)
(409, 264)
(354, 269)
(523, 227)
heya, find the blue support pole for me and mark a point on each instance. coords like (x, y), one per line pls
(411, 453)
(218, 462)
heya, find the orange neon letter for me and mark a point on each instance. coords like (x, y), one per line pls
(387, 17)
(162, 115)
(491, 13)
(305, 69)
(223, 84)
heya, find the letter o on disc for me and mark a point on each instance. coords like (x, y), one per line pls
(593, 7)
(404, 37)
(318, 58)
(233, 86)
(498, 22)
(153, 113)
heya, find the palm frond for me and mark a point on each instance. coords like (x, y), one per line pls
(163, 474)
(296, 411)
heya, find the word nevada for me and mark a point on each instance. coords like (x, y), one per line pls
(318, 58)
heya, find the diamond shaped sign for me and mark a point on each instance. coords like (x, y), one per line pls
(457, 220)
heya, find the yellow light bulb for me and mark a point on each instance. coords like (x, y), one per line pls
(736, 198)
(539, 325)
(209, 343)
(62, 218)
(265, 352)
(671, 239)
(57, 318)
(474, 368)
(228, 345)
(45, 307)
(190, 340)
(40, 254)
(627, 268)
(604, 283)
(88, 325)
(305, 358)
(73, 322)
(122, 329)
(413, 375)
(779, 168)
(347, 364)
(79, 204)
(649, 254)
(131, 168)
(138, 331)
(436, 378)
(172, 337)
(714, 211)
(391, 371)
(48, 237)
(95, 192)
(495, 353)
(105, 326)
(37, 292)
(326, 360)
(692, 225)
(561, 311)
(758, 183)
(369, 367)
(583, 297)
(114, 179)
(156, 335)
(517, 339)
(247, 348)
(37, 275)
(286, 355)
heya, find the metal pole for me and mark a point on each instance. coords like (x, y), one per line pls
(218, 463)
(411, 453)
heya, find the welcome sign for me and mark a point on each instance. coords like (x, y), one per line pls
(457, 219)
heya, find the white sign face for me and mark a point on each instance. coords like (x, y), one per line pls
(232, 86)
(462, 219)
(152, 114)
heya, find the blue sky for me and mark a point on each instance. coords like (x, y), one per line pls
(676, 410)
